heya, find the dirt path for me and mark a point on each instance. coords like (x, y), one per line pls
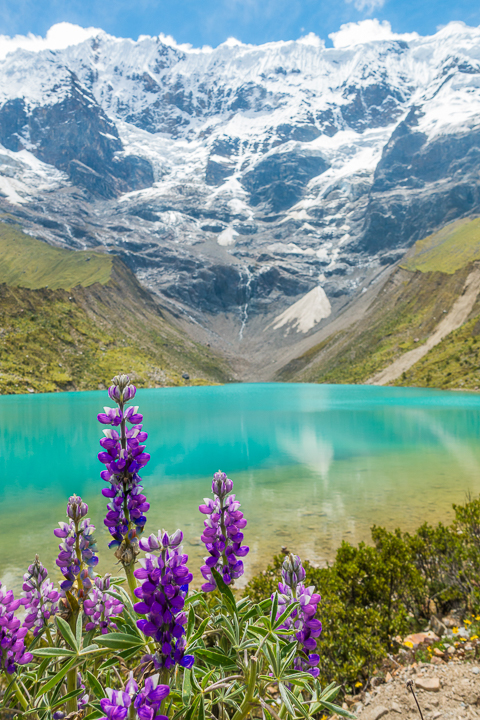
(454, 694)
(456, 317)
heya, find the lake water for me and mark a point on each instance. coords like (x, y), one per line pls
(312, 464)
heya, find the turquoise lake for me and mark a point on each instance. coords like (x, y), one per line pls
(312, 464)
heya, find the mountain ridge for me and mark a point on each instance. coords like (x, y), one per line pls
(235, 181)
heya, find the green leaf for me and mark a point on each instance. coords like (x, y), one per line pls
(224, 589)
(58, 677)
(273, 611)
(94, 715)
(89, 649)
(191, 622)
(54, 652)
(98, 690)
(201, 709)
(286, 699)
(286, 613)
(215, 657)
(199, 632)
(192, 708)
(66, 698)
(187, 687)
(119, 641)
(335, 709)
(67, 633)
(293, 699)
(78, 630)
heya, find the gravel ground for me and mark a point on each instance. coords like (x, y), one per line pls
(454, 693)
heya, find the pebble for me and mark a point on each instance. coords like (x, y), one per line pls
(395, 707)
(476, 670)
(428, 684)
(377, 713)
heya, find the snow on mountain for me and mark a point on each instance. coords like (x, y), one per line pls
(238, 179)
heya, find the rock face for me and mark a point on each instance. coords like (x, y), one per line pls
(237, 180)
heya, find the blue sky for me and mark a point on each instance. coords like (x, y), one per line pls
(211, 22)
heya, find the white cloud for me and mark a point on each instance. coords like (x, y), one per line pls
(368, 6)
(312, 39)
(58, 37)
(367, 31)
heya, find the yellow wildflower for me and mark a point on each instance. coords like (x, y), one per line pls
(474, 637)
(454, 630)
(408, 644)
(467, 622)
(358, 684)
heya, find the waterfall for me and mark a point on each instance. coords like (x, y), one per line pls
(244, 308)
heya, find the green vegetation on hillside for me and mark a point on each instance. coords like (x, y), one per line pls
(371, 594)
(30, 263)
(403, 316)
(453, 363)
(77, 339)
(451, 248)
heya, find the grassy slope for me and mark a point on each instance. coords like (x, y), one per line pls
(79, 335)
(402, 316)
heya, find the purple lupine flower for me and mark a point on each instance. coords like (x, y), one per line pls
(40, 597)
(123, 455)
(302, 622)
(146, 702)
(222, 534)
(12, 634)
(77, 567)
(162, 597)
(101, 607)
(82, 700)
(115, 705)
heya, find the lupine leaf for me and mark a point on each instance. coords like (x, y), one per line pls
(336, 709)
(94, 683)
(273, 610)
(89, 649)
(192, 708)
(67, 633)
(78, 630)
(206, 678)
(215, 657)
(293, 699)
(118, 641)
(94, 715)
(201, 709)
(66, 697)
(54, 652)
(59, 676)
(187, 687)
(199, 632)
(286, 613)
(224, 589)
(191, 622)
(286, 699)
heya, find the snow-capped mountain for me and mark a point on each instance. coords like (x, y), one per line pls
(239, 180)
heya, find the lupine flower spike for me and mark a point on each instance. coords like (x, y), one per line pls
(101, 608)
(162, 597)
(12, 635)
(302, 622)
(123, 456)
(222, 534)
(40, 597)
(77, 557)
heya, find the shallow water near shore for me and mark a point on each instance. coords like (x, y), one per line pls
(312, 464)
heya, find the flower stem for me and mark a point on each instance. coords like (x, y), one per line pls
(131, 579)
(246, 705)
(20, 696)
